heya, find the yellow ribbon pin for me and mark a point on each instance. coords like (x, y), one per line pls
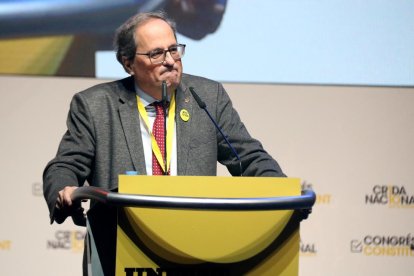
(185, 116)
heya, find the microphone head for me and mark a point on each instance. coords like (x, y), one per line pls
(164, 96)
(200, 103)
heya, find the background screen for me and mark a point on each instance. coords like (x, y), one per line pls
(346, 42)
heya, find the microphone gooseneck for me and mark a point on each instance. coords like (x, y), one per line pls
(164, 99)
(203, 106)
(200, 103)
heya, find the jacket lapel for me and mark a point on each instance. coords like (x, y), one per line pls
(130, 123)
(129, 117)
(183, 99)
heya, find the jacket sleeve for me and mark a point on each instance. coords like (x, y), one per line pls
(255, 161)
(73, 161)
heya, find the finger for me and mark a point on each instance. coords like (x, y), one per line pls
(59, 200)
(64, 197)
(67, 193)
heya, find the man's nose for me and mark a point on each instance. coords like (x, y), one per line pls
(168, 59)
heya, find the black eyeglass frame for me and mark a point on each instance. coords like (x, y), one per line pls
(171, 48)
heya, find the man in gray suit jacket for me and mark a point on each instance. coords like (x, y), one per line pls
(106, 135)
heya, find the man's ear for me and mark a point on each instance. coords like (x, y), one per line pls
(128, 65)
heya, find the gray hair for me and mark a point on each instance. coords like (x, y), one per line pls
(125, 43)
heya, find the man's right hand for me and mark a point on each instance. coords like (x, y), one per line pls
(66, 207)
(64, 199)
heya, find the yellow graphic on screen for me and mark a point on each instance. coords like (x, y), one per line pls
(33, 56)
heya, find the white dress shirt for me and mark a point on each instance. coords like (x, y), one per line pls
(147, 100)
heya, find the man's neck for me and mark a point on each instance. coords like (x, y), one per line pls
(155, 93)
(150, 97)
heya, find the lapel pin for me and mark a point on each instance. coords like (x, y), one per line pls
(187, 100)
(185, 116)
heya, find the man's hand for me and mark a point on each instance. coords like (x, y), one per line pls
(66, 207)
(64, 199)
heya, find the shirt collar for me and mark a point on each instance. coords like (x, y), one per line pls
(145, 98)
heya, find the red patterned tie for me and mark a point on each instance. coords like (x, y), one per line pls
(158, 131)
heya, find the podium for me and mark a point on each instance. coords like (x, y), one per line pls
(189, 225)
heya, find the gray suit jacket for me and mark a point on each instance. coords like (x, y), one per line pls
(103, 139)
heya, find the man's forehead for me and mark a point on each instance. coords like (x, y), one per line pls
(155, 33)
(153, 25)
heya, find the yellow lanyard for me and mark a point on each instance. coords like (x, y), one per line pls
(170, 131)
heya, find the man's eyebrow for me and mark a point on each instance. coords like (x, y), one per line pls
(159, 48)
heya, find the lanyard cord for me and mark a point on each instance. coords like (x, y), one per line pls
(170, 132)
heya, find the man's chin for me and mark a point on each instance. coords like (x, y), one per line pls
(173, 81)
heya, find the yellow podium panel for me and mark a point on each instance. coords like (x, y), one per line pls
(227, 242)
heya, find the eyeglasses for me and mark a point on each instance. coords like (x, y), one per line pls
(158, 56)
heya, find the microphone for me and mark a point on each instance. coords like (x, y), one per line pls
(164, 99)
(203, 105)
